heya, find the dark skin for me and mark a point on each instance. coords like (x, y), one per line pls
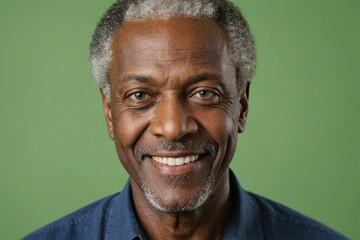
(172, 81)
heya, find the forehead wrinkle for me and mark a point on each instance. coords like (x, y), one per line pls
(144, 34)
(175, 59)
(161, 46)
(170, 50)
(154, 56)
(163, 42)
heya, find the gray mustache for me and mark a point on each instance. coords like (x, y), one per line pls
(164, 145)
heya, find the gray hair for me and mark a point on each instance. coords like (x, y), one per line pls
(241, 42)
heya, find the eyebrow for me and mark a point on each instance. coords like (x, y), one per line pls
(137, 78)
(203, 77)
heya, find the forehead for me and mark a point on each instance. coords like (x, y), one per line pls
(169, 45)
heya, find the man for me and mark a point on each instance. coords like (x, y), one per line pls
(174, 79)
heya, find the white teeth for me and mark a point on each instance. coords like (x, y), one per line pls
(175, 161)
(179, 161)
(171, 161)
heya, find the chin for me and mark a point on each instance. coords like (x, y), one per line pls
(176, 203)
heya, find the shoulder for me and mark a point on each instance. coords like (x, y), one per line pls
(281, 222)
(87, 220)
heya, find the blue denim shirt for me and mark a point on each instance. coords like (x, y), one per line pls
(255, 218)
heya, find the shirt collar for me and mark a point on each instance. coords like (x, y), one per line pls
(122, 221)
(246, 224)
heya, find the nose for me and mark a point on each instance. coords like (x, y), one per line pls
(172, 119)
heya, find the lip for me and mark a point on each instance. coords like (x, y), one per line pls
(175, 154)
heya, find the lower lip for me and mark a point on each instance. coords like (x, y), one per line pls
(176, 170)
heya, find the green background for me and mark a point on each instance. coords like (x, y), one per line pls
(300, 147)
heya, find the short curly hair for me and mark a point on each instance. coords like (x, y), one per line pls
(241, 41)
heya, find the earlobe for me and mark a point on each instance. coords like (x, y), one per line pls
(244, 107)
(108, 117)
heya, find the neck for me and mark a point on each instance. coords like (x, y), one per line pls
(197, 224)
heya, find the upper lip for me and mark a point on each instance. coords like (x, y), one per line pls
(175, 154)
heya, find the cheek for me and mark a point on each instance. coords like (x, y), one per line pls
(222, 128)
(128, 127)
(220, 125)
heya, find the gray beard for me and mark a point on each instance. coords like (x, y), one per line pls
(191, 205)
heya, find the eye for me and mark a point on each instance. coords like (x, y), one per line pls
(205, 94)
(205, 97)
(138, 96)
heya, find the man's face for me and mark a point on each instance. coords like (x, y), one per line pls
(175, 110)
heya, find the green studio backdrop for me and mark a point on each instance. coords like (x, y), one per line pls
(300, 147)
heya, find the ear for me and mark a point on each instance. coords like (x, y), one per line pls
(108, 117)
(244, 106)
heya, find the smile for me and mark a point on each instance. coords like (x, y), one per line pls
(178, 161)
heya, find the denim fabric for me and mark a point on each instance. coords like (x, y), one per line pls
(255, 218)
